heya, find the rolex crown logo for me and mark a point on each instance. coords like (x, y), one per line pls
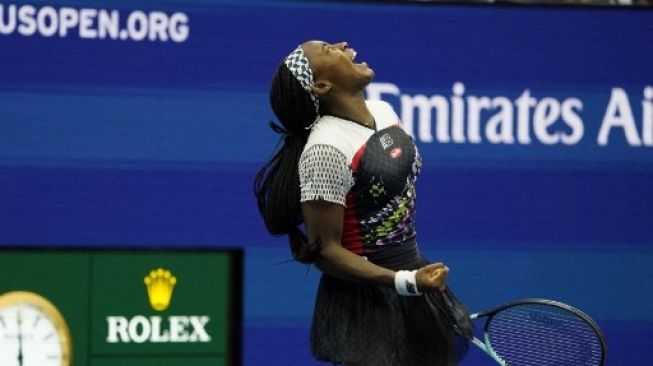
(159, 284)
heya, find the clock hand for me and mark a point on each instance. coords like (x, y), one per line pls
(20, 340)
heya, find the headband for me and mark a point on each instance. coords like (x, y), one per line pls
(300, 68)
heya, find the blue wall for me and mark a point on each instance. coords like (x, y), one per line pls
(127, 142)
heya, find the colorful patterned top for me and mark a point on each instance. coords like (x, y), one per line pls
(371, 172)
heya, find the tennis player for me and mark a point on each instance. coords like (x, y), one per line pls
(347, 171)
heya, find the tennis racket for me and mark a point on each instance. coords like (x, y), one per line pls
(541, 332)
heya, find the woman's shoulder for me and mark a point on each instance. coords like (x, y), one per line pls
(326, 131)
(333, 132)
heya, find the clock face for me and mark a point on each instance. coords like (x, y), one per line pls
(32, 332)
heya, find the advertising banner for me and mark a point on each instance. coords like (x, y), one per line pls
(120, 308)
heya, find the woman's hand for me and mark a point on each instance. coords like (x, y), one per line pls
(432, 277)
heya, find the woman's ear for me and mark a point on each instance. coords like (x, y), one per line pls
(321, 87)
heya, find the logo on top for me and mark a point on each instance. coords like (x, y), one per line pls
(386, 141)
(159, 284)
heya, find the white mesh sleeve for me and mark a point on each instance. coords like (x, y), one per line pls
(324, 175)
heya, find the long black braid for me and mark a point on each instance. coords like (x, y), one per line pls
(277, 183)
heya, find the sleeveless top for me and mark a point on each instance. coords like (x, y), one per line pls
(372, 172)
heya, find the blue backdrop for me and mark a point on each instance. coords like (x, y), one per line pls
(125, 124)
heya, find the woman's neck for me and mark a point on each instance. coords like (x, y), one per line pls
(353, 109)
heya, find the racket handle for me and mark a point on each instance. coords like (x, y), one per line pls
(488, 350)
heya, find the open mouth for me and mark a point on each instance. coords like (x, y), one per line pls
(353, 58)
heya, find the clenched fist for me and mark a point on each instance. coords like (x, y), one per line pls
(432, 277)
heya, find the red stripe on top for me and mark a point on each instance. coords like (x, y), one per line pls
(351, 234)
(357, 158)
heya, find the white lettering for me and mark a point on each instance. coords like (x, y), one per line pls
(647, 116)
(178, 331)
(424, 105)
(199, 332)
(512, 122)
(158, 26)
(10, 25)
(48, 21)
(137, 25)
(69, 18)
(86, 19)
(475, 107)
(499, 128)
(158, 336)
(178, 27)
(27, 25)
(619, 114)
(524, 103)
(573, 120)
(458, 113)
(108, 24)
(139, 329)
(546, 113)
(117, 329)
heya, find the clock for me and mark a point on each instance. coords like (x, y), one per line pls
(32, 332)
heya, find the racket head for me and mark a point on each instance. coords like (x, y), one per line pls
(543, 332)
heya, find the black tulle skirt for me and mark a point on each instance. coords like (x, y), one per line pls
(374, 326)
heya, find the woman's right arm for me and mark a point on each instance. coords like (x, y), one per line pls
(324, 224)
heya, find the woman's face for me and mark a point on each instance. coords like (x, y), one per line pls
(335, 64)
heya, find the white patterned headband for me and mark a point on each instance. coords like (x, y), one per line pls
(299, 66)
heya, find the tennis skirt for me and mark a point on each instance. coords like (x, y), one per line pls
(374, 326)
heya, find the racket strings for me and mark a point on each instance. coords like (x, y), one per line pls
(543, 335)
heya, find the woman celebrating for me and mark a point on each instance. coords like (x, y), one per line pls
(347, 171)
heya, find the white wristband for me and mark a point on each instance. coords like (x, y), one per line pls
(406, 284)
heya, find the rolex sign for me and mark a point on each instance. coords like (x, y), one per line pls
(139, 329)
(131, 308)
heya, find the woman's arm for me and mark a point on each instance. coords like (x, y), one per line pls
(324, 223)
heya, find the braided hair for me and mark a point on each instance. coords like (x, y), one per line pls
(276, 185)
